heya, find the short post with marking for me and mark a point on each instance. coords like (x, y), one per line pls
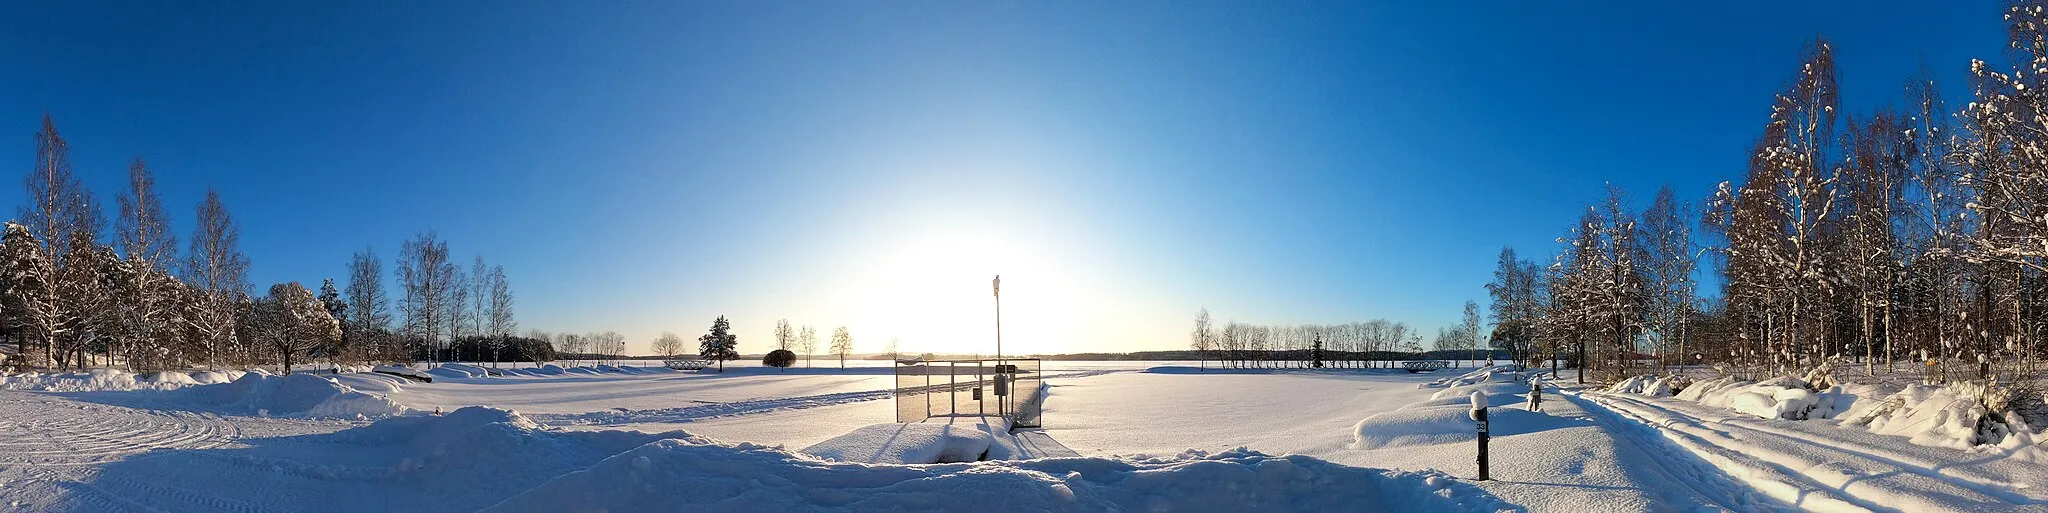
(1479, 414)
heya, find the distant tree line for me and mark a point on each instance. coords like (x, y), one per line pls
(1375, 343)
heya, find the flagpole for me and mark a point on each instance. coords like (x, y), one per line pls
(997, 285)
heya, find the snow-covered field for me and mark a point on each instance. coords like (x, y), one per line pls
(1118, 436)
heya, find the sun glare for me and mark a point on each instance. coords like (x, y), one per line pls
(933, 291)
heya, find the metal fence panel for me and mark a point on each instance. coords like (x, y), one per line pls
(970, 388)
(1027, 395)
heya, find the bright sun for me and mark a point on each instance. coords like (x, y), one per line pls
(932, 290)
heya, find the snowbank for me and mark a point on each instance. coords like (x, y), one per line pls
(372, 382)
(296, 395)
(1778, 398)
(457, 370)
(1446, 417)
(96, 380)
(402, 370)
(1929, 415)
(1503, 373)
(1653, 386)
(1420, 425)
(677, 475)
(931, 442)
(215, 377)
(1953, 416)
(479, 436)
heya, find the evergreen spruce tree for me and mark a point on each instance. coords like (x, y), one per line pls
(1315, 353)
(720, 344)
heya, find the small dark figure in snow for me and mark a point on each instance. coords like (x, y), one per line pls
(1535, 394)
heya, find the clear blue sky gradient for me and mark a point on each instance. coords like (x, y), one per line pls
(645, 166)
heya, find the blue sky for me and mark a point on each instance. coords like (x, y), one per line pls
(646, 166)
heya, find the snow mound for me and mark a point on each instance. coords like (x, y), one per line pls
(1447, 417)
(96, 380)
(913, 443)
(1437, 425)
(215, 377)
(677, 475)
(1502, 373)
(1777, 398)
(168, 378)
(373, 382)
(295, 395)
(402, 370)
(1652, 386)
(480, 436)
(1773, 402)
(449, 370)
(1953, 416)
(1461, 394)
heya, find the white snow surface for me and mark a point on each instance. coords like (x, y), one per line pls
(113, 379)
(913, 443)
(60, 459)
(1849, 448)
(1565, 458)
(675, 475)
(295, 395)
(1122, 436)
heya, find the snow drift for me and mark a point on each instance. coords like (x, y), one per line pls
(1957, 415)
(935, 441)
(1500, 373)
(296, 395)
(96, 380)
(678, 475)
(908, 443)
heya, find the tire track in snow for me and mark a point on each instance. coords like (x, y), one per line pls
(47, 432)
(1674, 461)
(1811, 473)
(751, 406)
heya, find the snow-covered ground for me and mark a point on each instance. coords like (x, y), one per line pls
(1124, 436)
(1847, 448)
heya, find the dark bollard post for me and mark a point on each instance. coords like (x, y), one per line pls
(1479, 414)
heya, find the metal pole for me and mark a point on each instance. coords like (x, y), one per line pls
(1482, 443)
(1479, 414)
(996, 286)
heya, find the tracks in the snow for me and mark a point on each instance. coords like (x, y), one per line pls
(39, 431)
(59, 454)
(1819, 472)
(1703, 478)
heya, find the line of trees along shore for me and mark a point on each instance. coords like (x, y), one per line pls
(75, 293)
(1370, 344)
